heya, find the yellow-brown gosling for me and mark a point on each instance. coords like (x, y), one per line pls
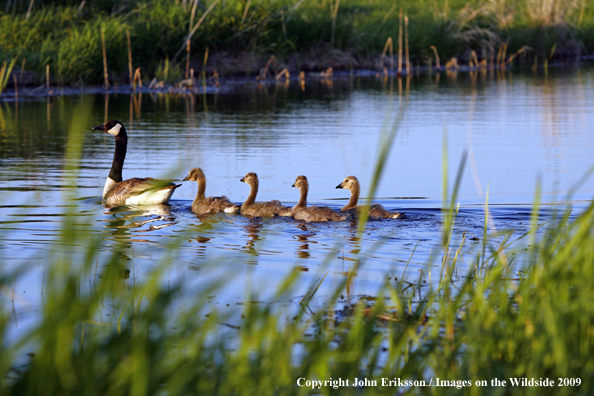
(313, 213)
(203, 205)
(260, 209)
(135, 191)
(376, 210)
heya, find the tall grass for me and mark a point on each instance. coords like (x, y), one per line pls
(5, 71)
(68, 37)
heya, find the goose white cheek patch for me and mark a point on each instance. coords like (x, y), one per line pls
(115, 130)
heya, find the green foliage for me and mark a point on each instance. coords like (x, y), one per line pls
(5, 71)
(66, 35)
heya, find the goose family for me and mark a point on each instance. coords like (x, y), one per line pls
(135, 191)
(149, 191)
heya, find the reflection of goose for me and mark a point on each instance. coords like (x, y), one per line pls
(252, 208)
(312, 213)
(203, 205)
(135, 191)
(376, 210)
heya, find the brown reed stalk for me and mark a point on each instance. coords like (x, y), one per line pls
(193, 14)
(334, 15)
(22, 68)
(47, 76)
(284, 73)
(130, 69)
(437, 64)
(504, 54)
(245, 11)
(203, 69)
(518, 52)
(474, 60)
(389, 45)
(188, 45)
(400, 43)
(105, 75)
(16, 86)
(406, 45)
(194, 29)
(499, 54)
(137, 77)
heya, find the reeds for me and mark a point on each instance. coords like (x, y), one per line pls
(105, 74)
(130, 68)
(5, 72)
(68, 39)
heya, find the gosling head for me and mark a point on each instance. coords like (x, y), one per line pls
(348, 183)
(113, 127)
(195, 175)
(250, 178)
(300, 182)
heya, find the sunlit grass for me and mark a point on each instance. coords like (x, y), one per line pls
(68, 38)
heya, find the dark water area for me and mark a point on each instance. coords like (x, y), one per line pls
(517, 128)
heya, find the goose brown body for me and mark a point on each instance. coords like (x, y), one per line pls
(260, 209)
(376, 210)
(206, 205)
(135, 191)
(312, 213)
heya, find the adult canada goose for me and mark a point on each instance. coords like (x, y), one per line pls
(376, 210)
(203, 205)
(252, 208)
(135, 191)
(313, 213)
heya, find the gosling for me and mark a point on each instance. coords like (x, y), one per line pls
(312, 213)
(376, 210)
(203, 205)
(260, 209)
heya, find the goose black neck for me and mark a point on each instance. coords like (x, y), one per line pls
(119, 156)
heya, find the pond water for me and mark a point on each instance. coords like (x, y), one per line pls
(516, 128)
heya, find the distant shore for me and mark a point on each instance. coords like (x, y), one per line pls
(160, 41)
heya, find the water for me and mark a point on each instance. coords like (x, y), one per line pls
(516, 128)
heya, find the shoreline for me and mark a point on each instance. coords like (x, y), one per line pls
(216, 84)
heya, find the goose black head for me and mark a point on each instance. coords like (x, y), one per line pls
(113, 127)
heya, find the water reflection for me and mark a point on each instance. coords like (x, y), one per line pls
(124, 220)
(303, 239)
(252, 229)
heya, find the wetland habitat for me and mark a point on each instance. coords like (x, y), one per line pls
(145, 299)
